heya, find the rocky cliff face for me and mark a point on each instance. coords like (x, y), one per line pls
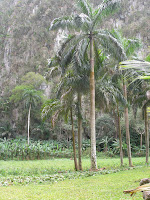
(25, 40)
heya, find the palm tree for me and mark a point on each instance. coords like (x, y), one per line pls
(111, 95)
(143, 69)
(54, 108)
(118, 98)
(75, 77)
(129, 47)
(31, 98)
(88, 39)
(78, 79)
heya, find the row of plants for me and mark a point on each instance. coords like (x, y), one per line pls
(18, 149)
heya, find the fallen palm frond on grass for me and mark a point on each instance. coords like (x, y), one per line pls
(142, 188)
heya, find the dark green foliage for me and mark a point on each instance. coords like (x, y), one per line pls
(7, 131)
(105, 126)
(18, 149)
(33, 79)
(136, 128)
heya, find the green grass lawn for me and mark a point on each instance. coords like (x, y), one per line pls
(38, 167)
(102, 187)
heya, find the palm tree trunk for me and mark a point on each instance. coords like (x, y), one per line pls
(92, 107)
(116, 123)
(146, 135)
(73, 138)
(29, 123)
(127, 127)
(141, 141)
(120, 137)
(79, 131)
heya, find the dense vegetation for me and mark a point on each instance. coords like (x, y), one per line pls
(18, 149)
(58, 101)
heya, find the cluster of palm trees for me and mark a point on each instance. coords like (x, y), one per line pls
(86, 57)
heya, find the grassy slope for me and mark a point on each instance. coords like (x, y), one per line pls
(101, 187)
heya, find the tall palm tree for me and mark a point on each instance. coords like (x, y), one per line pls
(89, 39)
(111, 95)
(129, 47)
(76, 77)
(54, 108)
(143, 68)
(31, 98)
(79, 82)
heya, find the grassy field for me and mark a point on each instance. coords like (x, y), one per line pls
(52, 166)
(92, 187)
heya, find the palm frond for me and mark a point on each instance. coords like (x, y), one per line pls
(85, 7)
(111, 45)
(67, 51)
(49, 108)
(83, 22)
(131, 46)
(54, 61)
(62, 22)
(80, 53)
(118, 35)
(66, 94)
(70, 38)
(142, 188)
(110, 92)
(106, 8)
(67, 57)
(54, 70)
(140, 65)
(99, 59)
(31, 96)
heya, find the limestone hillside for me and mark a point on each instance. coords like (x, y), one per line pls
(26, 42)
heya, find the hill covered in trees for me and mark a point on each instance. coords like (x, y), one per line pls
(26, 44)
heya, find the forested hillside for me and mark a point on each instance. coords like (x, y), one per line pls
(26, 42)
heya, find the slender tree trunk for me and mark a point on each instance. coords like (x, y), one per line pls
(116, 124)
(127, 127)
(29, 123)
(146, 135)
(120, 137)
(73, 138)
(79, 132)
(59, 137)
(141, 141)
(92, 107)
